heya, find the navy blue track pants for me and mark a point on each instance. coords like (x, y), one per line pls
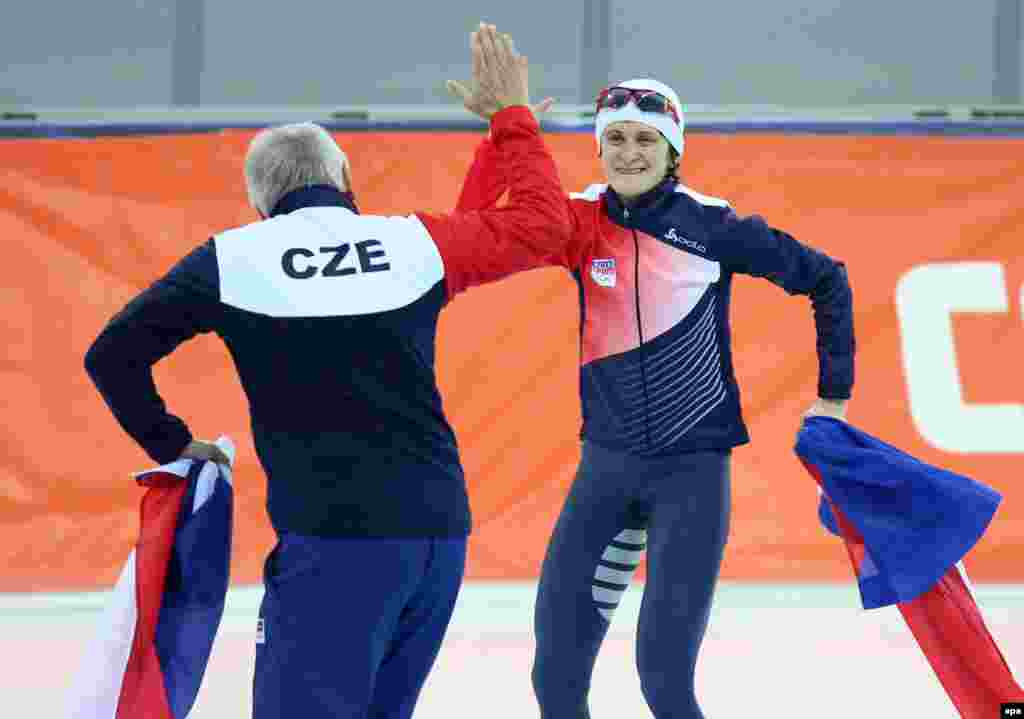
(349, 628)
(620, 505)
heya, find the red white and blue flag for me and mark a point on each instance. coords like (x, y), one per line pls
(907, 526)
(149, 655)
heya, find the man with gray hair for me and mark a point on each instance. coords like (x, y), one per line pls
(330, 318)
(289, 157)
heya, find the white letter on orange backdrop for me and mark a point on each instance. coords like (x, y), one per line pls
(926, 296)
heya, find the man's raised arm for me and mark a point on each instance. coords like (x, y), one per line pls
(533, 228)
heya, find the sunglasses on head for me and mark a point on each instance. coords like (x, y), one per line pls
(612, 98)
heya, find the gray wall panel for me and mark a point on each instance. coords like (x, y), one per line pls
(88, 54)
(1006, 82)
(118, 53)
(809, 52)
(375, 53)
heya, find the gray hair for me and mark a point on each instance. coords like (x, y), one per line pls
(285, 158)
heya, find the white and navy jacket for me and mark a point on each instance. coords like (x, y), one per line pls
(330, 318)
(655, 279)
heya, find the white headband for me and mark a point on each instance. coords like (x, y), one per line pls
(665, 124)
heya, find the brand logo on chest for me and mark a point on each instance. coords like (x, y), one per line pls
(681, 241)
(603, 272)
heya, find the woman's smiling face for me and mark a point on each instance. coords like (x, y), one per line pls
(635, 157)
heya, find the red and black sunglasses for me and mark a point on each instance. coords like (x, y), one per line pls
(612, 98)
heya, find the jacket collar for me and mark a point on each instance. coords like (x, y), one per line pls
(314, 196)
(650, 201)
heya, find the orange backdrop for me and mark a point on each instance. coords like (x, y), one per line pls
(87, 223)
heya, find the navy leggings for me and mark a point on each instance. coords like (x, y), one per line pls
(675, 508)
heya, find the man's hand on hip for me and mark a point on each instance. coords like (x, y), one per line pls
(206, 451)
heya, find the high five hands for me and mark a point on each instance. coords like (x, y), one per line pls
(500, 76)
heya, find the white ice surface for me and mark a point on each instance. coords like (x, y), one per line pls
(775, 651)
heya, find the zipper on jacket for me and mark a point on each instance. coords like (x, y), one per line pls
(640, 334)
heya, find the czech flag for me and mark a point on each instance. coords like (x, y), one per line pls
(907, 526)
(148, 658)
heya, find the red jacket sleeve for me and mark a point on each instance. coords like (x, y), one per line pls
(485, 182)
(532, 230)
